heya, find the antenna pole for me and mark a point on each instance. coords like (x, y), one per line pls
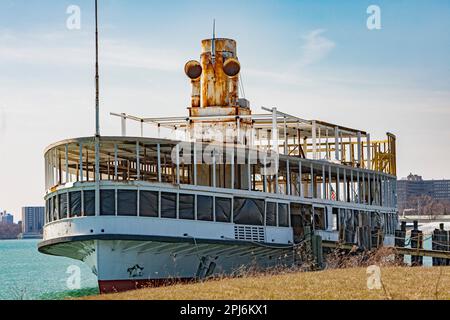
(97, 86)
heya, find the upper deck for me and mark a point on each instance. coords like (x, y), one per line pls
(285, 134)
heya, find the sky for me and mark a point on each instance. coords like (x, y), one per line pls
(314, 59)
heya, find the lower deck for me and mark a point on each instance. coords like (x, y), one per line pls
(152, 209)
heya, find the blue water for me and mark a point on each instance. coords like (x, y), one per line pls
(428, 245)
(26, 274)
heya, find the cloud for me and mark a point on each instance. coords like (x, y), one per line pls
(55, 49)
(316, 48)
(132, 56)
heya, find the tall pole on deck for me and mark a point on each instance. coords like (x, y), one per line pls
(97, 119)
(97, 77)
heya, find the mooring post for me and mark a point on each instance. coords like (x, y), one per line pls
(416, 243)
(439, 244)
(317, 250)
(445, 243)
(400, 236)
(435, 246)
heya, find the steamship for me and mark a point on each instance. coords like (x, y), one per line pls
(232, 189)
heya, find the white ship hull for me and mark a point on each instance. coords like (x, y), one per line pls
(124, 262)
(125, 265)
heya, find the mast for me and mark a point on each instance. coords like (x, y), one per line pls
(97, 119)
(97, 77)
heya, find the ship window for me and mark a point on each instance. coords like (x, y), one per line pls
(319, 219)
(89, 203)
(169, 205)
(187, 209)
(51, 204)
(55, 208)
(388, 219)
(46, 212)
(127, 203)
(248, 211)
(205, 208)
(271, 214)
(49, 210)
(75, 204)
(148, 204)
(335, 219)
(62, 202)
(300, 220)
(223, 210)
(283, 215)
(107, 202)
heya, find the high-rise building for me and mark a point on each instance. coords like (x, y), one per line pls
(415, 186)
(6, 218)
(32, 220)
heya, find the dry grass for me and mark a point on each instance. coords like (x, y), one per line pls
(341, 284)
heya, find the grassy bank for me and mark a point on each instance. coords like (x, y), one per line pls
(343, 284)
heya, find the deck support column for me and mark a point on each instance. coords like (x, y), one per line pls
(314, 139)
(288, 178)
(300, 179)
(159, 163)
(369, 151)
(336, 144)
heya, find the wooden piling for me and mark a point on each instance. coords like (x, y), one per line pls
(317, 250)
(439, 244)
(400, 236)
(416, 243)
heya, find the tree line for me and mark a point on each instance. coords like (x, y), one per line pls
(425, 205)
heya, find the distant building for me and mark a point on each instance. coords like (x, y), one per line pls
(32, 220)
(6, 218)
(415, 186)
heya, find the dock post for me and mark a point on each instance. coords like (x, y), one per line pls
(445, 240)
(400, 236)
(439, 244)
(416, 243)
(317, 250)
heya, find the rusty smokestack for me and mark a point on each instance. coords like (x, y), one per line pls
(215, 79)
(215, 92)
(219, 80)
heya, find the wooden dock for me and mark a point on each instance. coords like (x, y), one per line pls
(400, 251)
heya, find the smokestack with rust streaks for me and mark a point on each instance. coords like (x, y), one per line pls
(215, 79)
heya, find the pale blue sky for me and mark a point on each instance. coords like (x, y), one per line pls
(316, 59)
